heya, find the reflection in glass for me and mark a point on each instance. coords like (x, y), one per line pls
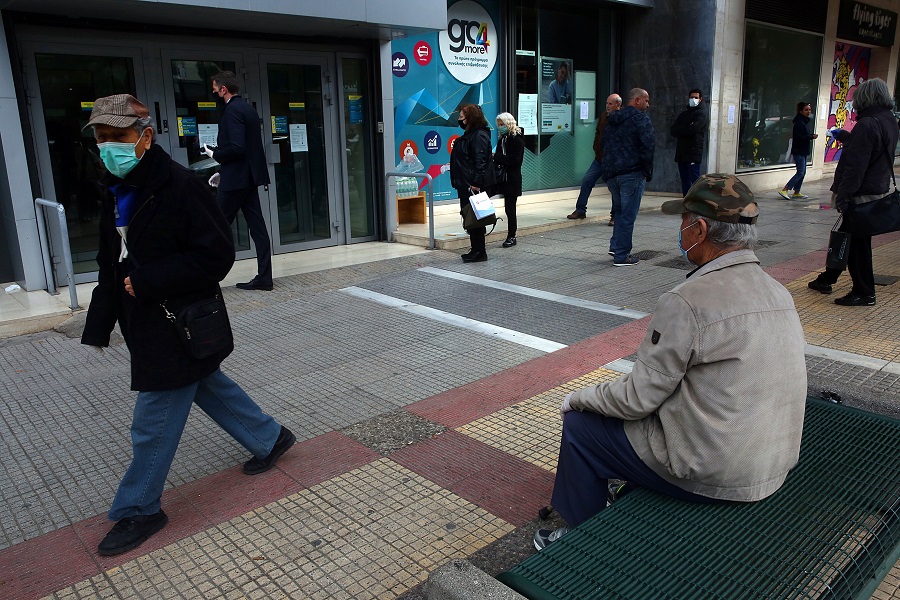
(298, 129)
(68, 86)
(358, 147)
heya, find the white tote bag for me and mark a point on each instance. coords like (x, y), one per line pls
(481, 205)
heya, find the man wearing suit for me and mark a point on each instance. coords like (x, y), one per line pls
(239, 151)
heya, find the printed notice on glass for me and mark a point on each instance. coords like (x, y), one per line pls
(556, 118)
(528, 113)
(299, 142)
(731, 113)
(209, 133)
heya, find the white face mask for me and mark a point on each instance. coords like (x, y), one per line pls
(684, 252)
(692, 102)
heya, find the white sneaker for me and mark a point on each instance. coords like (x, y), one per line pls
(543, 537)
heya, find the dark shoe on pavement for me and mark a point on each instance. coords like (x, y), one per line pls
(474, 257)
(576, 215)
(611, 253)
(629, 261)
(285, 440)
(611, 222)
(509, 243)
(854, 299)
(817, 285)
(255, 284)
(131, 532)
(544, 537)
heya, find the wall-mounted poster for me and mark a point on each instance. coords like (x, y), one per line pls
(557, 94)
(850, 68)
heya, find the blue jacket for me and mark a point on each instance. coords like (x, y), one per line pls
(628, 144)
(239, 148)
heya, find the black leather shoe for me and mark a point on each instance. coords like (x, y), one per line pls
(285, 440)
(474, 257)
(131, 532)
(509, 243)
(576, 215)
(255, 284)
(854, 299)
(817, 285)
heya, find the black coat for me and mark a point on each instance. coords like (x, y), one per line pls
(180, 248)
(801, 137)
(689, 130)
(239, 148)
(510, 153)
(471, 163)
(867, 161)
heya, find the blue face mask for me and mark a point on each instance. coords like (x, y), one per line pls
(503, 130)
(119, 157)
(684, 252)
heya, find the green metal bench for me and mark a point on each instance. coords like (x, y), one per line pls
(832, 530)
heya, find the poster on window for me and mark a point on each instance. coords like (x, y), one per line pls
(850, 68)
(557, 94)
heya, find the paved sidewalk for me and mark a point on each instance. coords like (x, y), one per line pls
(423, 434)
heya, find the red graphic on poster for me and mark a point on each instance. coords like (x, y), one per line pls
(408, 147)
(450, 143)
(850, 68)
(422, 52)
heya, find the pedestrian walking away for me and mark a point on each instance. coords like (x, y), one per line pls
(240, 153)
(671, 425)
(628, 145)
(689, 130)
(472, 170)
(801, 148)
(613, 103)
(163, 241)
(508, 169)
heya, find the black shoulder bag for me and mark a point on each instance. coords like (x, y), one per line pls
(873, 215)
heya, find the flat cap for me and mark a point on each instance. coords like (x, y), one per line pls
(717, 196)
(121, 110)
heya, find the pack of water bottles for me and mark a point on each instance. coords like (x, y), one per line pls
(407, 187)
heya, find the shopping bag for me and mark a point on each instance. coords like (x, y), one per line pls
(838, 247)
(470, 221)
(481, 205)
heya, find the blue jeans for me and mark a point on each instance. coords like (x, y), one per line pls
(690, 173)
(627, 191)
(594, 449)
(587, 185)
(797, 180)
(156, 429)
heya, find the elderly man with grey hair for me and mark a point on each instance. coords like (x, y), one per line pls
(713, 408)
(865, 170)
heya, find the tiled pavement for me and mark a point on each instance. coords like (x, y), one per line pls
(419, 440)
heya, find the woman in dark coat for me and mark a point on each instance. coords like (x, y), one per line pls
(800, 150)
(472, 169)
(508, 160)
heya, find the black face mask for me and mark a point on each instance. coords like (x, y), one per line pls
(462, 125)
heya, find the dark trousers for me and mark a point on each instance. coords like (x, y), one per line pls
(476, 234)
(690, 173)
(247, 201)
(509, 207)
(859, 264)
(594, 449)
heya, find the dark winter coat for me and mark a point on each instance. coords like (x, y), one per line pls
(867, 161)
(180, 247)
(689, 130)
(598, 136)
(801, 136)
(510, 153)
(628, 144)
(471, 163)
(239, 148)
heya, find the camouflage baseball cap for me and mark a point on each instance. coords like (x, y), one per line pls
(717, 196)
(121, 110)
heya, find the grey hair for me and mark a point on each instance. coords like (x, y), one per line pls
(141, 124)
(510, 122)
(739, 236)
(873, 92)
(636, 93)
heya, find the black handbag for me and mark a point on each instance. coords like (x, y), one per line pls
(878, 216)
(471, 222)
(202, 326)
(838, 248)
(500, 171)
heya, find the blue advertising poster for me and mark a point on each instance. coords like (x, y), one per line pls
(436, 73)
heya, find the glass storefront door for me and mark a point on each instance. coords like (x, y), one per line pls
(357, 136)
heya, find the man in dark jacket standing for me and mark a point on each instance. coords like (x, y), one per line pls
(613, 103)
(628, 145)
(689, 130)
(239, 151)
(163, 239)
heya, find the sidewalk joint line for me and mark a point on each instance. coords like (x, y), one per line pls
(434, 314)
(859, 360)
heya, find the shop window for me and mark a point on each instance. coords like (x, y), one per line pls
(781, 68)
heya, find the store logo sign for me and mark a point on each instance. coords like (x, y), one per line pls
(399, 64)
(858, 22)
(432, 142)
(467, 47)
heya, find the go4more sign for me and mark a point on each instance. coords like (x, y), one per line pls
(468, 44)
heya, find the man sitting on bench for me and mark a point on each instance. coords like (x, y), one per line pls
(713, 409)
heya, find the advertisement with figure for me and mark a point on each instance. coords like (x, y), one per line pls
(436, 73)
(851, 68)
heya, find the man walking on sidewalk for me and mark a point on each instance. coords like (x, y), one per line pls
(689, 130)
(628, 145)
(613, 103)
(163, 241)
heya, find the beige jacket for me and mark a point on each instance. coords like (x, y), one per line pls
(716, 399)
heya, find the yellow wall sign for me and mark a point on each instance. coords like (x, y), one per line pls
(87, 105)
(206, 105)
(296, 105)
